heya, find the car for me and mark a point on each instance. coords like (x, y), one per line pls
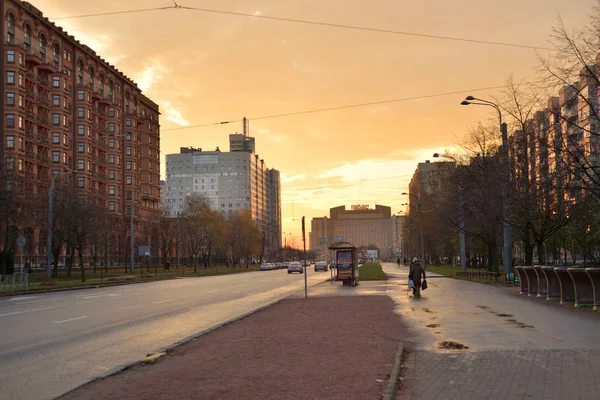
(265, 266)
(295, 266)
(321, 266)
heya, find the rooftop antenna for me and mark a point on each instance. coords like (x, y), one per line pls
(246, 127)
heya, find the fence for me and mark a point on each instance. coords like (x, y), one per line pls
(14, 281)
(491, 276)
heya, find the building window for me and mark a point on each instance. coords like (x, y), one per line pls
(128, 195)
(10, 56)
(128, 179)
(55, 119)
(128, 136)
(10, 163)
(111, 112)
(10, 142)
(80, 112)
(56, 137)
(128, 150)
(111, 143)
(81, 182)
(11, 29)
(80, 95)
(80, 147)
(111, 174)
(56, 82)
(10, 99)
(111, 158)
(56, 100)
(10, 77)
(20, 100)
(20, 122)
(64, 158)
(80, 130)
(80, 165)
(56, 156)
(10, 120)
(21, 144)
(128, 122)
(111, 127)
(43, 48)
(111, 190)
(20, 164)
(128, 165)
(27, 38)
(111, 205)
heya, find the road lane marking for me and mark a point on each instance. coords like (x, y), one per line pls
(102, 295)
(20, 298)
(162, 301)
(70, 319)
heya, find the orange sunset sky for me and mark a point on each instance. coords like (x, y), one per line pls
(203, 67)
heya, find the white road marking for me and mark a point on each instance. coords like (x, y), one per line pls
(162, 301)
(21, 298)
(102, 295)
(70, 319)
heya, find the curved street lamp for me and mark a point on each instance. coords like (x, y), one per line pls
(506, 177)
(420, 217)
(461, 219)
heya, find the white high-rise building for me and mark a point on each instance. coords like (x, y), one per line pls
(234, 180)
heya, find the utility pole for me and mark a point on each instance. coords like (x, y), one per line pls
(132, 233)
(177, 239)
(305, 268)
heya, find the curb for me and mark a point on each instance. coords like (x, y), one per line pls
(151, 358)
(390, 391)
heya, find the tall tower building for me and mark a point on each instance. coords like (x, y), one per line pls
(66, 107)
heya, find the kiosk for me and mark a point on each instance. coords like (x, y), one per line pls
(346, 260)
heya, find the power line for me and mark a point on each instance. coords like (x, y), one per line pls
(318, 110)
(308, 22)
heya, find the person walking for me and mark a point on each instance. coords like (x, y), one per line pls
(415, 273)
(398, 261)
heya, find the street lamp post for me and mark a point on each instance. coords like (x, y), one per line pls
(49, 240)
(461, 220)
(506, 177)
(420, 217)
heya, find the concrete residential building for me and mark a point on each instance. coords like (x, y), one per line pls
(231, 181)
(65, 106)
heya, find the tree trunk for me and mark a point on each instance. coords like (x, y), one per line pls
(540, 252)
(70, 261)
(55, 255)
(195, 263)
(492, 257)
(81, 266)
(527, 247)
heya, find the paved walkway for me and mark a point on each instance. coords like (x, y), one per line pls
(517, 347)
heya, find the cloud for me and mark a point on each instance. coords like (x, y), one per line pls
(285, 179)
(173, 115)
(267, 134)
(302, 69)
(150, 75)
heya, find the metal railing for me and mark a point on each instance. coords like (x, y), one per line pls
(15, 281)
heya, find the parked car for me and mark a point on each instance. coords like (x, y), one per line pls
(295, 266)
(321, 266)
(265, 266)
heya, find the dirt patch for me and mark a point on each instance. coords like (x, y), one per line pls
(483, 307)
(297, 349)
(427, 310)
(504, 315)
(433, 325)
(450, 345)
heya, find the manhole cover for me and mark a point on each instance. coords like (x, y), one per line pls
(449, 345)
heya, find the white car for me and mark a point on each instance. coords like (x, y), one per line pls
(265, 266)
(295, 267)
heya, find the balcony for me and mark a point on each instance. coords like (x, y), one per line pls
(44, 81)
(42, 158)
(30, 154)
(34, 58)
(29, 133)
(46, 66)
(42, 139)
(106, 99)
(29, 115)
(44, 120)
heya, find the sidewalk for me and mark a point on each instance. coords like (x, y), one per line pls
(316, 348)
(518, 347)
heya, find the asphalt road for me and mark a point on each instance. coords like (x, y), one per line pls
(49, 343)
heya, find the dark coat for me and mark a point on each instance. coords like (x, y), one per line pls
(415, 273)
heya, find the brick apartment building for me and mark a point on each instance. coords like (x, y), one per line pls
(65, 107)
